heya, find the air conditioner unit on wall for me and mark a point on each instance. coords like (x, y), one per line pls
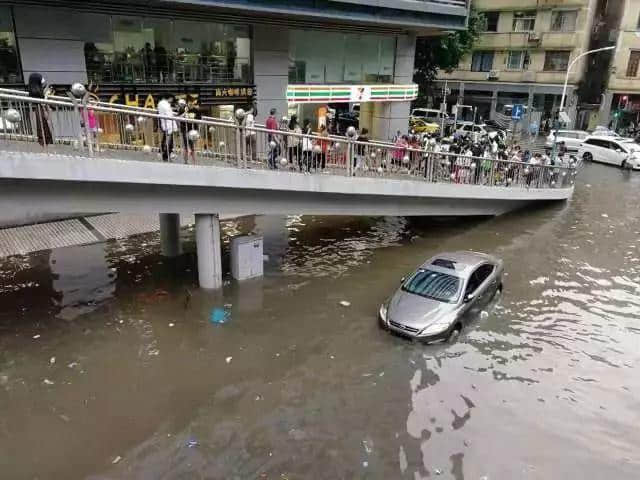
(493, 75)
(534, 37)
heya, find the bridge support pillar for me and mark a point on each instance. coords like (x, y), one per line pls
(170, 234)
(208, 245)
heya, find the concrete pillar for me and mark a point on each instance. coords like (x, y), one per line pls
(366, 116)
(494, 104)
(208, 246)
(170, 234)
(461, 93)
(390, 117)
(530, 105)
(605, 108)
(271, 69)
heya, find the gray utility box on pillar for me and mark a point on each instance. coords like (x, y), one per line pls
(246, 257)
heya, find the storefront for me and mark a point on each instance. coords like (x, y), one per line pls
(341, 106)
(129, 59)
(350, 79)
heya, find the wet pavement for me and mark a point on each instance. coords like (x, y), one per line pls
(110, 366)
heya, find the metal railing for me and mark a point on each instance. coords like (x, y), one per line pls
(72, 128)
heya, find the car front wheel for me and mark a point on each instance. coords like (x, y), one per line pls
(587, 157)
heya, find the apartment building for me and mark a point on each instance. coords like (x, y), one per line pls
(522, 57)
(621, 104)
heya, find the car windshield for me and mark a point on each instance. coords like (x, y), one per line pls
(435, 285)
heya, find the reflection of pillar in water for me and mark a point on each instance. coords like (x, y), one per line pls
(82, 277)
(276, 237)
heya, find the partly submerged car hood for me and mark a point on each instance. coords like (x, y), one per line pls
(416, 311)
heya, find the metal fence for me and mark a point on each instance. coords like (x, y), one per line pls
(63, 126)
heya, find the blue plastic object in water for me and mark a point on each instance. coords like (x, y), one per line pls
(220, 316)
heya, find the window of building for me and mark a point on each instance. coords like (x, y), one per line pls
(136, 49)
(564, 20)
(9, 62)
(556, 61)
(524, 21)
(518, 60)
(482, 61)
(634, 61)
(491, 21)
(332, 57)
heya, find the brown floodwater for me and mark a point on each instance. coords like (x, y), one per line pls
(110, 367)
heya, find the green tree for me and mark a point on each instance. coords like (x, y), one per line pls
(444, 53)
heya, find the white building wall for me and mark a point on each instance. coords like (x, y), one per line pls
(271, 69)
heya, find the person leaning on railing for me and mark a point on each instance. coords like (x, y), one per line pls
(37, 87)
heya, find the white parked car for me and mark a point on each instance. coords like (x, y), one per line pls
(571, 138)
(618, 151)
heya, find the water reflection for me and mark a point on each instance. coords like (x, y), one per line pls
(297, 386)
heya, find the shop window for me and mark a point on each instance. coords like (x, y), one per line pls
(491, 21)
(318, 57)
(524, 21)
(9, 62)
(564, 20)
(518, 60)
(163, 51)
(556, 61)
(482, 61)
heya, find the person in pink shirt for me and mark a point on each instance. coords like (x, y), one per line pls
(272, 124)
(93, 124)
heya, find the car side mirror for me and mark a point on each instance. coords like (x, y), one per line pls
(468, 297)
(618, 150)
(402, 280)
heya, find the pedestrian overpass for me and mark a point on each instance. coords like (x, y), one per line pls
(117, 167)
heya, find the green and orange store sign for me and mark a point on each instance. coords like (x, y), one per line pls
(351, 93)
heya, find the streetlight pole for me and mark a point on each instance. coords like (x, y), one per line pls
(573, 62)
(554, 149)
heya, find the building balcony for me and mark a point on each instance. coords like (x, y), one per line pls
(509, 76)
(622, 84)
(525, 4)
(499, 41)
(553, 40)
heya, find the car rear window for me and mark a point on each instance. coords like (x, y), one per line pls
(435, 285)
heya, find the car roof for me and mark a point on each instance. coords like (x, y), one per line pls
(571, 131)
(604, 137)
(464, 262)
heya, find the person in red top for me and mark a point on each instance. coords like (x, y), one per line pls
(272, 124)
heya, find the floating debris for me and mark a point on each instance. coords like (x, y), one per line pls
(46, 381)
(117, 459)
(228, 359)
(220, 316)
(604, 215)
(52, 361)
(344, 303)
(192, 444)
(35, 337)
(484, 314)
(172, 325)
(437, 471)
(64, 418)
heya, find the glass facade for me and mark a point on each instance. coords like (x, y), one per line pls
(145, 50)
(322, 57)
(9, 61)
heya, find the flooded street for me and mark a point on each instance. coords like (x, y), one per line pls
(110, 366)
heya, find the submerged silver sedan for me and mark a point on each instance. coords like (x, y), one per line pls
(435, 301)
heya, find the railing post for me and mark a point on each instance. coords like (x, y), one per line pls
(351, 136)
(240, 115)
